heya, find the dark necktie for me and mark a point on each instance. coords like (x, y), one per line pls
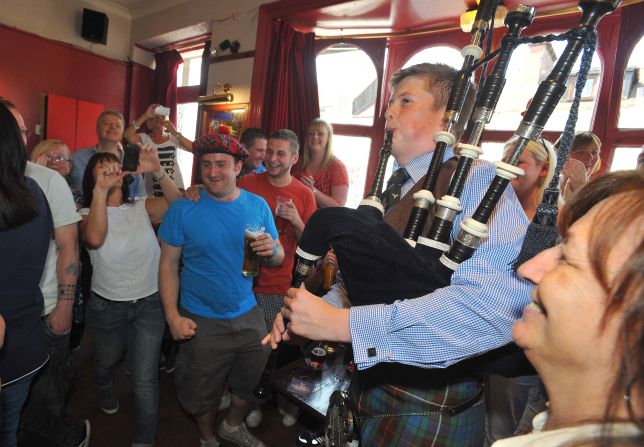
(394, 185)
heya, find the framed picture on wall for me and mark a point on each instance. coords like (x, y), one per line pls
(226, 118)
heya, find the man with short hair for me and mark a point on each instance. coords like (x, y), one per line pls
(218, 321)
(43, 415)
(109, 130)
(409, 389)
(255, 141)
(296, 204)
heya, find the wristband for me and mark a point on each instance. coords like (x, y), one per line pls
(268, 258)
(158, 179)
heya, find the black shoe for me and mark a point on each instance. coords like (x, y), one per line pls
(310, 438)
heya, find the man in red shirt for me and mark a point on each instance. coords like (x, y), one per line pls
(296, 204)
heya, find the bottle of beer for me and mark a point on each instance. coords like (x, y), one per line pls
(329, 276)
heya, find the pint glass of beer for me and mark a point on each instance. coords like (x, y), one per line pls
(251, 260)
(280, 222)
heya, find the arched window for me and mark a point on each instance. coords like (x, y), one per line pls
(632, 100)
(531, 64)
(443, 54)
(348, 87)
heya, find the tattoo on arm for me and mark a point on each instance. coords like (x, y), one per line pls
(72, 269)
(66, 292)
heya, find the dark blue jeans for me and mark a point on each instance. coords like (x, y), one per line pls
(12, 398)
(44, 414)
(138, 327)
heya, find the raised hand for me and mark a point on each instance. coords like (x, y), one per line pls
(148, 160)
(108, 175)
(149, 112)
(41, 160)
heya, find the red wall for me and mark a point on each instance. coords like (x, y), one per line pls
(31, 66)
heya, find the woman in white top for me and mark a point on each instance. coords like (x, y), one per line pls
(124, 313)
(166, 139)
(584, 329)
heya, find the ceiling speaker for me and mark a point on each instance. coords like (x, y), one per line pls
(94, 26)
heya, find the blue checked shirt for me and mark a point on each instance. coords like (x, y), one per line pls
(472, 315)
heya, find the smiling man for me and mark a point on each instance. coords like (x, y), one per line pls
(255, 141)
(109, 130)
(296, 204)
(218, 320)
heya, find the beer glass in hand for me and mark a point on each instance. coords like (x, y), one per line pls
(280, 222)
(251, 259)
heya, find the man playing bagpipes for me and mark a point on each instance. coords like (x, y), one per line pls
(410, 389)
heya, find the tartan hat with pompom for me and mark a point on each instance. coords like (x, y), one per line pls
(220, 144)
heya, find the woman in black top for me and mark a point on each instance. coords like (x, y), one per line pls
(25, 232)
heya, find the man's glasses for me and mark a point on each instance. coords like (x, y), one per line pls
(57, 158)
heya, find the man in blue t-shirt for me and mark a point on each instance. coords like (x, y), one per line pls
(218, 318)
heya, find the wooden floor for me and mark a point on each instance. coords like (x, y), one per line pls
(176, 428)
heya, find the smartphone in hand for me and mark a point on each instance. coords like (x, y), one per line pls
(131, 157)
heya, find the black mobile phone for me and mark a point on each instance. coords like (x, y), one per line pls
(131, 157)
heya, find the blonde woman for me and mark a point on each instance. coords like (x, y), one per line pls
(319, 169)
(53, 154)
(165, 138)
(538, 160)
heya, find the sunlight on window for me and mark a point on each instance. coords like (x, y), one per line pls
(189, 73)
(625, 158)
(187, 125)
(632, 104)
(347, 85)
(446, 55)
(492, 151)
(531, 64)
(354, 153)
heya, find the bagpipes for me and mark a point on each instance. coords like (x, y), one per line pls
(377, 264)
(360, 238)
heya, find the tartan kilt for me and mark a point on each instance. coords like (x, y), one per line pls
(405, 410)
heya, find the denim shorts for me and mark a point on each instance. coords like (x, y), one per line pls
(222, 351)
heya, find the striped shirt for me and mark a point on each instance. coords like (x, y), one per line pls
(472, 315)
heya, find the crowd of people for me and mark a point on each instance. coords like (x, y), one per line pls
(136, 255)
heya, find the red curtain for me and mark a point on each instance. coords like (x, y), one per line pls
(165, 85)
(291, 95)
